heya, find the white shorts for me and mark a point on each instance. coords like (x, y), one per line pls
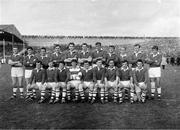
(99, 84)
(17, 72)
(141, 87)
(154, 72)
(50, 85)
(38, 85)
(87, 84)
(124, 84)
(111, 84)
(28, 74)
(74, 83)
(62, 85)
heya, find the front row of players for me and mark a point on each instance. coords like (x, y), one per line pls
(123, 82)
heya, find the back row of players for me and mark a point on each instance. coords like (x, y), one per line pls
(62, 71)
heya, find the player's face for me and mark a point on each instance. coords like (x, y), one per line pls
(98, 47)
(86, 65)
(71, 47)
(74, 64)
(123, 50)
(139, 64)
(50, 64)
(57, 49)
(136, 48)
(111, 63)
(111, 49)
(61, 65)
(38, 65)
(15, 50)
(124, 65)
(43, 52)
(29, 51)
(84, 48)
(154, 51)
(99, 63)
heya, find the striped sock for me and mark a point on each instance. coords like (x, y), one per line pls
(34, 92)
(159, 91)
(153, 89)
(90, 94)
(68, 94)
(115, 95)
(143, 96)
(14, 91)
(102, 94)
(53, 94)
(131, 95)
(42, 94)
(63, 94)
(94, 94)
(76, 94)
(82, 94)
(120, 95)
(57, 93)
(106, 95)
(21, 90)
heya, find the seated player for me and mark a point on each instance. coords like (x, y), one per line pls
(88, 79)
(112, 55)
(99, 53)
(126, 82)
(62, 77)
(99, 75)
(85, 54)
(140, 77)
(154, 60)
(37, 81)
(70, 54)
(111, 80)
(75, 81)
(29, 64)
(50, 83)
(16, 61)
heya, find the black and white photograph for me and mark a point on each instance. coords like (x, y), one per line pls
(89, 64)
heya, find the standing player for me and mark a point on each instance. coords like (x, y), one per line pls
(50, 80)
(75, 81)
(99, 53)
(138, 54)
(111, 80)
(16, 61)
(154, 61)
(37, 81)
(62, 77)
(44, 58)
(70, 54)
(29, 63)
(140, 76)
(88, 79)
(126, 82)
(123, 56)
(84, 55)
(112, 55)
(57, 56)
(99, 71)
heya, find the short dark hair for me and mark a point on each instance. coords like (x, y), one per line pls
(62, 62)
(29, 48)
(98, 43)
(112, 46)
(71, 43)
(57, 46)
(125, 61)
(137, 45)
(74, 60)
(38, 62)
(86, 61)
(111, 60)
(99, 59)
(84, 44)
(139, 60)
(155, 47)
(43, 48)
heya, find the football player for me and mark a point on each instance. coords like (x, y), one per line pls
(111, 80)
(126, 82)
(99, 80)
(62, 77)
(16, 62)
(37, 80)
(123, 56)
(154, 60)
(88, 78)
(75, 81)
(140, 77)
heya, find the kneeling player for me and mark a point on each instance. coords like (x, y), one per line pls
(37, 80)
(111, 80)
(88, 78)
(140, 80)
(62, 76)
(99, 75)
(126, 82)
(75, 81)
(154, 61)
(50, 80)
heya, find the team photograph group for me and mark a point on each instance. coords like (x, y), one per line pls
(86, 76)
